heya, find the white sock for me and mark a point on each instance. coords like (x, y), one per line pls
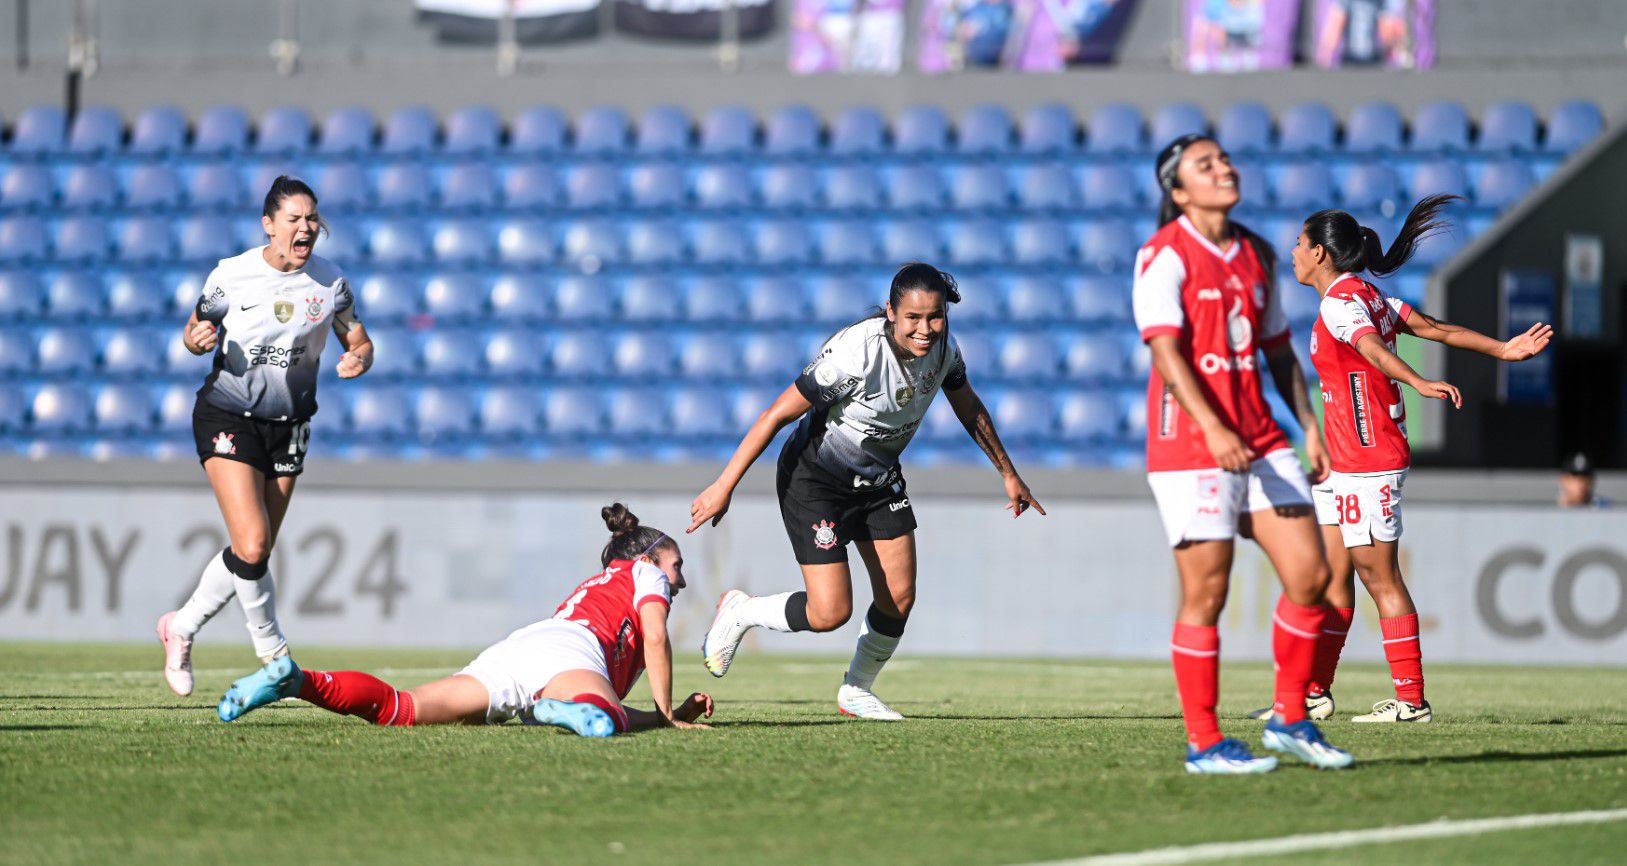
(215, 588)
(765, 611)
(259, 601)
(872, 652)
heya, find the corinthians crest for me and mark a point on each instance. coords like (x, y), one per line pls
(313, 308)
(283, 310)
(824, 534)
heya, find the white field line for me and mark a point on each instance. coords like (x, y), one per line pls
(158, 672)
(1341, 839)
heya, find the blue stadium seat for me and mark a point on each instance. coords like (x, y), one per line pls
(770, 302)
(27, 187)
(175, 402)
(783, 242)
(451, 353)
(75, 296)
(21, 295)
(765, 355)
(793, 130)
(524, 242)
(1046, 186)
(389, 297)
(1306, 186)
(745, 404)
(984, 130)
(1440, 126)
(531, 186)
(16, 351)
(592, 244)
(1572, 125)
(728, 131)
(1507, 126)
(61, 407)
(395, 354)
(1029, 358)
(1094, 358)
(453, 296)
(582, 298)
(1439, 248)
(409, 131)
(859, 131)
(381, 413)
(856, 187)
(518, 298)
(1110, 186)
(340, 186)
(1176, 119)
(1024, 415)
(90, 188)
(222, 131)
(132, 351)
(179, 363)
(444, 414)
(650, 298)
(1086, 416)
(538, 131)
(159, 131)
(463, 242)
(1283, 236)
(39, 131)
(216, 187)
(84, 239)
(837, 300)
(283, 132)
(1371, 185)
(346, 132)
(646, 354)
(1115, 128)
(701, 412)
(1106, 245)
(789, 187)
(1438, 176)
(510, 412)
(22, 240)
(911, 241)
(13, 408)
(715, 242)
(1040, 242)
(206, 240)
(592, 185)
(1502, 183)
(921, 130)
(657, 185)
(712, 299)
(471, 186)
(124, 409)
(1049, 129)
(722, 187)
(135, 295)
(1307, 128)
(1035, 299)
(709, 356)
(637, 412)
(573, 412)
(96, 131)
(405, 186)
(1244, 128)
(979, 187)
(474, 130)
(848, 242)
(398, 242)
(1375, 127)
(1299, 303)
(601, 131)
(664, 130)
(64, 351)
(654, 242)
(340, 243)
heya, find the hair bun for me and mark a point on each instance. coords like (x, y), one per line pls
(618, 519)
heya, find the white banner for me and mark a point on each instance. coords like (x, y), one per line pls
(1092, 579)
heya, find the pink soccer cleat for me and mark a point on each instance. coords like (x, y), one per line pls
(177, 657)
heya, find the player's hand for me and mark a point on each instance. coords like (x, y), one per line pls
(1527, 344)
(203, 337)
(350, 365)
(1442, 391)
(711, 505)
(1021, 498)
(1317, 452)
(1228, 449)
(695, 706)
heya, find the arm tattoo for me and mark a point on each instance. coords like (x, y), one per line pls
(981, 428)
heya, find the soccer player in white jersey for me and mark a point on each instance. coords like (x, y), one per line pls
(839, 478)
(266, 315)
(571, 670)
(1364, 421)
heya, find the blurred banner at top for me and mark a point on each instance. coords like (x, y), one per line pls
(692, 19)
(847, 36)
(1240, 35)
(1025, 35)
(1399, 34)
(534, 20)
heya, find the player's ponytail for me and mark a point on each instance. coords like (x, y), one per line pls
(285, 187)
(628, 538)
(1355, 248)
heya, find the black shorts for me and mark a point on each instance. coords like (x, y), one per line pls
(821, 517)
(276, 448)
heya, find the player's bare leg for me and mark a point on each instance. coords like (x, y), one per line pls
(1379, 566)
(891, 567)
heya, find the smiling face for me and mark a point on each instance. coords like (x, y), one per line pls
(670, 560)
(292, 232)
(918, 321)
(1207, 179)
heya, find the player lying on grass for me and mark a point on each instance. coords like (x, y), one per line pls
(571, 670)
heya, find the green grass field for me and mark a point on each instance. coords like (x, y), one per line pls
(1003, 762)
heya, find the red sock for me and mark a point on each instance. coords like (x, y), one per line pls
(353, 693)
(615, 710)
(1296, 628)
(1335, 626)
(1405, 655)
(1195, 650)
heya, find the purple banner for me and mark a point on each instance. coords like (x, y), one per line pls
(1024, 35)
(1399, 34)
(847, 36)
(1240, 35)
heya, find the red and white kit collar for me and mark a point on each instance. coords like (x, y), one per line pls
(1225, 255)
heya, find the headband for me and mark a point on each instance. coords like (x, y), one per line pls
(1171, 161)
(655, 545)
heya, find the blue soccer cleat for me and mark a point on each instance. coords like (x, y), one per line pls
(584, 720)
(279, 679)
(1227, 757)
(1304, 740)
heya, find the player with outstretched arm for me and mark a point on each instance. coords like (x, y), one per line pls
(839, 479)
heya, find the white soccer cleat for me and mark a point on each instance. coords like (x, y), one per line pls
(861, 703)
(723, 638)
(1317, 707)
(1394, 710)
(177, 657)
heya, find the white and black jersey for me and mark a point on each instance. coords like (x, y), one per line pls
(868, 402)
(273, 325)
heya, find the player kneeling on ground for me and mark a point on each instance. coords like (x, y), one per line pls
(571, 670)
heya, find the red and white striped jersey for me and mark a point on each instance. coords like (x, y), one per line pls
(1363, 418)
(1223, 310)
(608, 604)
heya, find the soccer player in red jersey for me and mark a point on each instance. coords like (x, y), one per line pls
(572, 670)
(1205, 302)
(1364, 419)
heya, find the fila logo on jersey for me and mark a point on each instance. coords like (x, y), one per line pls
(824, 535)
(223, 444)
(284, 311)
(1209, 294)
(313, 308)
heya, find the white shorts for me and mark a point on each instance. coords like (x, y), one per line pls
(1366, 508)
(1205, 504)
(515, 669)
